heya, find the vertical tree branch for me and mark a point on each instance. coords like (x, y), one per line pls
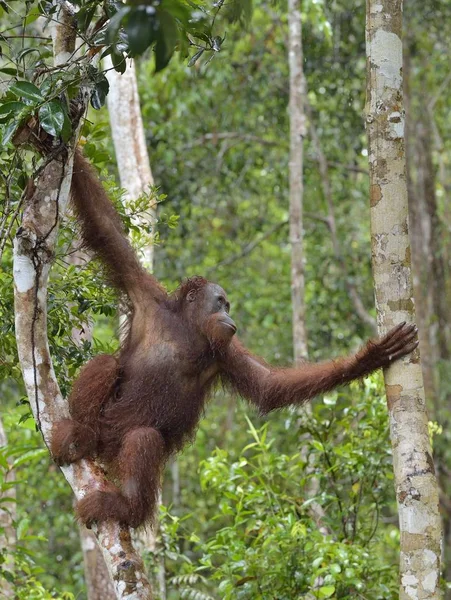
(129, 140)
(415, 481)
(296, 168)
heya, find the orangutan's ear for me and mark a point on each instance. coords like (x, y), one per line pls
(191, 295)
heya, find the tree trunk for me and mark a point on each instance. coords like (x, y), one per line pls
(98, 580)
(415, 481)
(136, 178)
(296, 167)
(129, 140)
(34, 246)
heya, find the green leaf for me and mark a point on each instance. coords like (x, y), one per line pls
(66, 130)
(11, 71)
(85, 15)
(51, 117)
(116, 22)
(141, 27)
(29, 456)
(22, 528)
(178, 10)
(34, 14)
(25, 89)
(317, 445)
(195, 57)
(326, 591)
(99, 94)
(119, 62)
(11, 107)
(9, 131)
(166, 40)
(3, 461)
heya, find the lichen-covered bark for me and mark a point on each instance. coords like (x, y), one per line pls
(296, 168)
(33, 254)
(415, 481)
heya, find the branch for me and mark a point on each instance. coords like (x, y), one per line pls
(34, 248)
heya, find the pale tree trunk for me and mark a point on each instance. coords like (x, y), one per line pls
(8, 531)
(136, 178)
(415, 481)
(98, 580)
(296, 168)
(33, 248)
(129, 140)
(296, 179)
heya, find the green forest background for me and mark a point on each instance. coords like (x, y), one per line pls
(235, 518)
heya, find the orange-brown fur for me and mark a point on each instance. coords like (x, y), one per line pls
(135, 410)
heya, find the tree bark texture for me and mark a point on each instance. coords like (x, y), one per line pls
(415, 481)
(296, 168)
(98, 580)
(129, 140)
(34, 247)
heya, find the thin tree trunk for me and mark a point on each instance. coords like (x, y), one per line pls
(298, 132)
(98, 580)
(34, 246)
(129, 140)
(415, 481)
(136, 178)
(296, 167)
